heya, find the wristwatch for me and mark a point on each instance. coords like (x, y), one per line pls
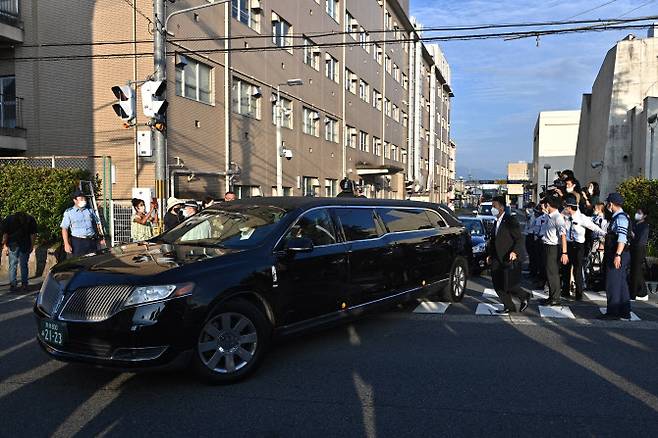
(617, 255)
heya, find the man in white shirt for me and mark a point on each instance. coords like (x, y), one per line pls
(576, 226)
(554, 237)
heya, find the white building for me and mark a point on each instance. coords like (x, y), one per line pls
(556, 134)
(614, 133)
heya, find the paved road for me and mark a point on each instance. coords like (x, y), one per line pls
(395, 374)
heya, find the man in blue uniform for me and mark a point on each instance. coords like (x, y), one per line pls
(617, 259)
(80, 228)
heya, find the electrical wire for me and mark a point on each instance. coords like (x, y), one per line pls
(593, 9)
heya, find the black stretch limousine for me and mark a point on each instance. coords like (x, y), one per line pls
(218, 288)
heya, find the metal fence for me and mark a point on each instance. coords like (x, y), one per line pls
(122, 212)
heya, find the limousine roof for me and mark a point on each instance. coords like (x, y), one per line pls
(304, 202)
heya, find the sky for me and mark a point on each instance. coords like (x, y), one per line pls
(501, 86)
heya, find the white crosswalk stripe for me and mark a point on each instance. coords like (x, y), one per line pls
(596, 296)
(634, 317)
(489, 293)
(556, 312)
(539, 294)
(488, 309)
(432, 307)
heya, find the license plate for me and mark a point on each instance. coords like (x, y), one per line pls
(53, 332)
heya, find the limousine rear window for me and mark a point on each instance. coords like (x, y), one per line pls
(436, 219)
(357, 223)
(397, 220)
(315, 225)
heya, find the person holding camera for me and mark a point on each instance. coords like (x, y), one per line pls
(141, 226)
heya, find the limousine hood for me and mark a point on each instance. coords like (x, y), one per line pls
(132, 262)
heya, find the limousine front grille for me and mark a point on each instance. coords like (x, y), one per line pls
(96, 303)
(50, 293)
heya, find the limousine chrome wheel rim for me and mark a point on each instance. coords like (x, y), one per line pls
(228, 343)
(458, 280)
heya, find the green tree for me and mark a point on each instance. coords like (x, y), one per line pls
(641, 192)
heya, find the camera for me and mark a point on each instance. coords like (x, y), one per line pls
(287, 154)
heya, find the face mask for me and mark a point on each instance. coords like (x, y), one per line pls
(590, 190)
(186, 213)
(141, 209)
(495, 211)
(569, 189)
(609, 208)
(639, 216)
(82, 204)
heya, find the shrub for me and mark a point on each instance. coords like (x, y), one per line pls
(641, 192)
(41, 192)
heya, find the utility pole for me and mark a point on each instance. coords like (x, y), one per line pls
(279, 146)
(160, 64)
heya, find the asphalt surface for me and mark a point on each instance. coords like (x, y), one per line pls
(397, 373)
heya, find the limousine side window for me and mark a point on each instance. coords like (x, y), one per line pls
(357, 223)
(315, 225)
(398, 219)
(436, 219)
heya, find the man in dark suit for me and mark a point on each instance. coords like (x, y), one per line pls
(504, 251)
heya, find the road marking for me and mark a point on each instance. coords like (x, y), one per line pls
(634, 317)
(556, 312)
(488, 309)
(20, 297)
(596, 296)
(540, 294)
(15, 347)
(489, 293)
(432, 307)
(644, 298)
(14, 314)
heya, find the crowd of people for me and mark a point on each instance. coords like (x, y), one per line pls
(573, 241)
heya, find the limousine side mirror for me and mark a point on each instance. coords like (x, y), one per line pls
(299, 244)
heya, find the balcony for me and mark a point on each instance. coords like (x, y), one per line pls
(12, 134)
(11, 27)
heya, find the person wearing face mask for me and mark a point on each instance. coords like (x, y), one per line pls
(80, 229)
(617, 259)
(576, 225)
(639, 242)
(591, 196)
(555, 249)
(190, 208)
(141, 225)
(541, 217)
(174, 215)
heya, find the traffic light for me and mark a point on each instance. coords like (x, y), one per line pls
(125, 106)
(154, 103)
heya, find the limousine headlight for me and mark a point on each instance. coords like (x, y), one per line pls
(149, 294)
(480, 247)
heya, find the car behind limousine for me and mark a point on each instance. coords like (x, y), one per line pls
(218, 288)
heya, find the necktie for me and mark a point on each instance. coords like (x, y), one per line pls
(571, 229)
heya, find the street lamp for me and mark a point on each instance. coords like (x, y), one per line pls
(547, 167)
(279, 144)
(653, 121)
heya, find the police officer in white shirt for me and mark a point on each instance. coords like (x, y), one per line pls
(576, 226)
(555, 249)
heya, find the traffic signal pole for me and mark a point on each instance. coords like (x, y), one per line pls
(160, 139)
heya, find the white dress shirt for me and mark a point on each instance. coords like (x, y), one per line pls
(500, 219)
(577, 224)
(553, 229)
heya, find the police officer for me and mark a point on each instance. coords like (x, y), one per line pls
(617, 259)
(577, 225)
(80, 228)
(347, 189)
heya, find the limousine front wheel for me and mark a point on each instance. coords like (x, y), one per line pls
(457, 283)
(231, 343)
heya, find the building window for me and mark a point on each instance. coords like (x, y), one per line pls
(330, 186)
(363, 141)
(287, 191)
(396, 72)
(405, 81)
(194, 81)
(405, 119)
(351, 81)
(389, 63)
(311, 122)
(387, 107)
(333, 9)
(8, 110)
(243, 192)
(351, 25)
(394, 153)
(310, 186)
(387, 19)
(396, 113)
(247, 13)
(364, 39)
(246, 98)
(387, 150)
(331, 68)
(281, 32)
(377, 54)
(331, 129)
(286, 113)
(404, 156)
(350, 137)
(376, 99)
(311, 54)
(377, 146)
(364, 91)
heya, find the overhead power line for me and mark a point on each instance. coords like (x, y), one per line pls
(593, 9)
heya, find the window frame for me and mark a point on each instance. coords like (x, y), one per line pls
(180, 81)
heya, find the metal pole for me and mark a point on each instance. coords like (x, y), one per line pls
(546, 186)
(160, 64)
(651, 153)
(227, 95)
(279, 146)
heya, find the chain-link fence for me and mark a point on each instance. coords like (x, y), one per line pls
(122, 212)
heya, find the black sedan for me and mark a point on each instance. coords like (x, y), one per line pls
(480, 237)
(218, 288)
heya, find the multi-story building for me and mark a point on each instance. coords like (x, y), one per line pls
(614, 141)
(374, 104)
(554, 145)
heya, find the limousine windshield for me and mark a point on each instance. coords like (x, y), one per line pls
(239, 227)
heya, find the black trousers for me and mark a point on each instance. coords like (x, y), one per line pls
(532, 254)
(637, 285)
(541, 261)
(576, 253)
(505, 292)
(552, 255)
(616, 285)
(83, 246)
